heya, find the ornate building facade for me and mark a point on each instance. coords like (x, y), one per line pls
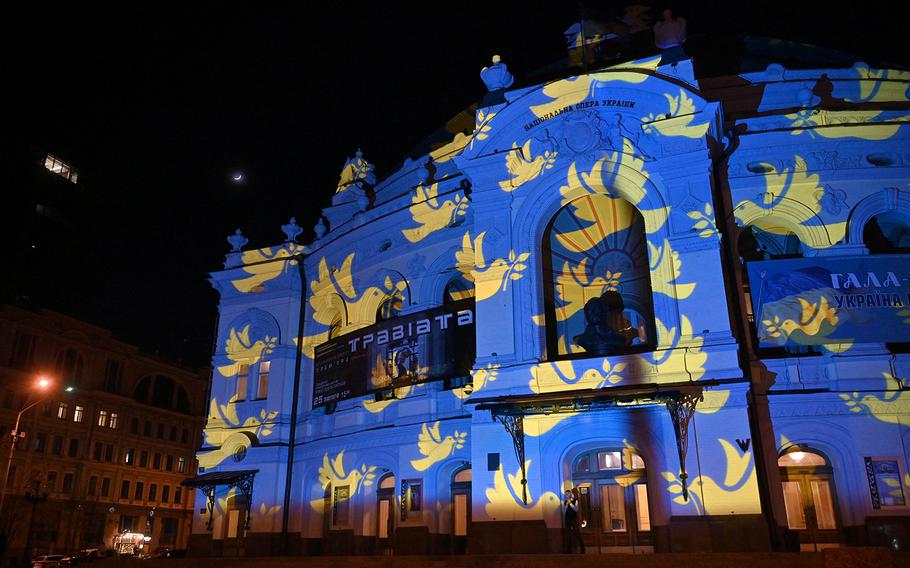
(102, 453)
(682, 298)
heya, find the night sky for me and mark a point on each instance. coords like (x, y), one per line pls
(157, 106)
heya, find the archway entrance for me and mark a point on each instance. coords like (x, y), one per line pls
(461, 510)
(385, 508)
(613, 501)
(809, 498)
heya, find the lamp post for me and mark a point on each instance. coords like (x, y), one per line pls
(43, 384)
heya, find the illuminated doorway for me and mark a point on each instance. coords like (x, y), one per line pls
(808, 486)
(385, 508)
(461, 510)
(613, 501)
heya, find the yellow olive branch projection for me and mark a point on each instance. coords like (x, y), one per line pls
(889, 408)
(797, 184)
(430, 214)
(488, 279)
(524, 167)
(704, 221)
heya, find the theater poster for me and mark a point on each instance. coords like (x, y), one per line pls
(813, 301)
(415, 348)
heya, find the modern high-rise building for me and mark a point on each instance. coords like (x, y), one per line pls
(683, 298)
(106, 435)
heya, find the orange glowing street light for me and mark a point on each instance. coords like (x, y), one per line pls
(43, 385)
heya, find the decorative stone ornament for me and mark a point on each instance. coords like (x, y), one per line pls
(497, 75)
(237, 241)
(320, 229)
(291, 230)
(669, 32)
(356, 169)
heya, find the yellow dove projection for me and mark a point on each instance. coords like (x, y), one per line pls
(432, 215)
(223, 423)
(797, 184)
(574, 287)
(605, 174)
(504, 499)
(334, 287)
(240, 349)
(524, 167)
(739, 491)
(665, 269)
(678, 121)
(434, 447)
(479, 379)
(332, 474)
(892, 408)
(488, 280)
(261, 271)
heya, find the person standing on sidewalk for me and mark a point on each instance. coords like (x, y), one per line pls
(571, 531)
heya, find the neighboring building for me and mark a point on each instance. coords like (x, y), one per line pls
(105, 458)
(457, 372)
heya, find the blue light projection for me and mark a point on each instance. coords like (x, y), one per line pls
(606, 183)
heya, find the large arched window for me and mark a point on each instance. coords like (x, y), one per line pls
(69, 367)
(597, 278)
(887, 233)
(163, 392)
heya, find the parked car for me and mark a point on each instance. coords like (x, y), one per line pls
(50, 561)
(84, 555)
(159, 554)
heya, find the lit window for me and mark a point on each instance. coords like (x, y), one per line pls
(128, 456)
(242, 375)
(341, 505)
(181, 464)
(61, 168)
(262, 389)
(78, 414)
(604, 239)
(61, 410)
(113, 422)
(414, 497)
(102, 418)
(608, 460)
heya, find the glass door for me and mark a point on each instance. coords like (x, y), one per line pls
(809, 500)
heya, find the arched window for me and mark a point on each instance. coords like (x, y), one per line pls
(768, 241)
(458, 288)
(162, 392)
(887, 233)
(69, 367)
(597, 278)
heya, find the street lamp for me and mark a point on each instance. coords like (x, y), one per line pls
(42, 385)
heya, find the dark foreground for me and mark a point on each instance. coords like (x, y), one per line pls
(832, 558)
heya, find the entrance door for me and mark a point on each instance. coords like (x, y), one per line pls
(808, 487)
(613, 501)
(461, 510)
(385, 514)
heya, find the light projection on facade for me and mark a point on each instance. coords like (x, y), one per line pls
(654, 300)
(489, 279)
(434, 447)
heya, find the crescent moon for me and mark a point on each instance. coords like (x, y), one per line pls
(238, 177)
